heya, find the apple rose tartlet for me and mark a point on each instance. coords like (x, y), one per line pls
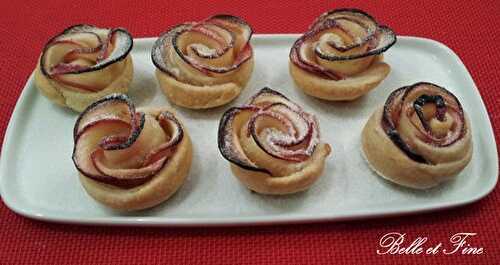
(340, 57)
(83, 64)
(204, 64)
(273, 145)
(130, 159)
(419, 138)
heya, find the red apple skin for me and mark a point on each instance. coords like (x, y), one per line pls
(121, 178)
(322, 24)
(169, 39)
(225, 142)
(391, 131)
(256, 138)
(125, 36)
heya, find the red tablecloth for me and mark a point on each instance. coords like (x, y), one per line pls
(471, 30)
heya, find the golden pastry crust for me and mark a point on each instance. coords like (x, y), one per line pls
(392, 163)
(265, 183)
(78, 101)
(272, 144)
(204, 64)
(340, 57)
(139, 174)
(208, 96)
(349, 88)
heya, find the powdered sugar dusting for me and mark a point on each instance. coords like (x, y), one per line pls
(83, 36)
(171, 43)
(278, 126)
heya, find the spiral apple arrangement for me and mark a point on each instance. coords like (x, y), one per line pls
(84, 63)
(214, 56)
(429, 117)
(273, 137)
(116, 145)
(214, 46)
(83, 49)
(424, 130)
(339, 57)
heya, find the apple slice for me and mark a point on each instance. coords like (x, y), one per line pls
(271, 123)
(175, 133)
(267, 96)
(89, 138)
(229, 145)
(409, 128)
(115, 144)
(284, 133)
(98, 158)
(341, 43)
(215, 46)
(102, 47)
(447, 106)
(242, 30)
(114, 106)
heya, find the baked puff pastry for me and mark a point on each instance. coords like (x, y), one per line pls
(273, 145)
(419, 138)
(83, 64)
(204, 64)
(340, 57)
(128, 159)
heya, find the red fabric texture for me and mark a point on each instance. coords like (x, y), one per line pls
(470, 28)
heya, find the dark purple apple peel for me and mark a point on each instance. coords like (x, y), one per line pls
(101, 103)
(379, 39)
(390, 127)
(153, 162)
(175, 138)
(169, 39)
(122, 49)
(305, 139)
(225, 141)
(226, 135)
(419, 104)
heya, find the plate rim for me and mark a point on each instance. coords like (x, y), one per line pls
(14, 122)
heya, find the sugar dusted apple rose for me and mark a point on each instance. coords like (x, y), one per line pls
(420, 138)
(204, 64)
(340, 56)
(83, 64)
(130, 159)
(273, 145)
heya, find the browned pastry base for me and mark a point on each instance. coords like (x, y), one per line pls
(388, 161)
(79, 101)
(301, 180)
(203, 97)
(163, 185)
(346, 89)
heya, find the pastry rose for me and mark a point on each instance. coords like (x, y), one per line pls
(130, 159)
(204, 64)
(340, 57)
(83, 64)
(273, 145)
(419, 138)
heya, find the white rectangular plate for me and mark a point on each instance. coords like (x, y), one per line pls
(38, 179)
